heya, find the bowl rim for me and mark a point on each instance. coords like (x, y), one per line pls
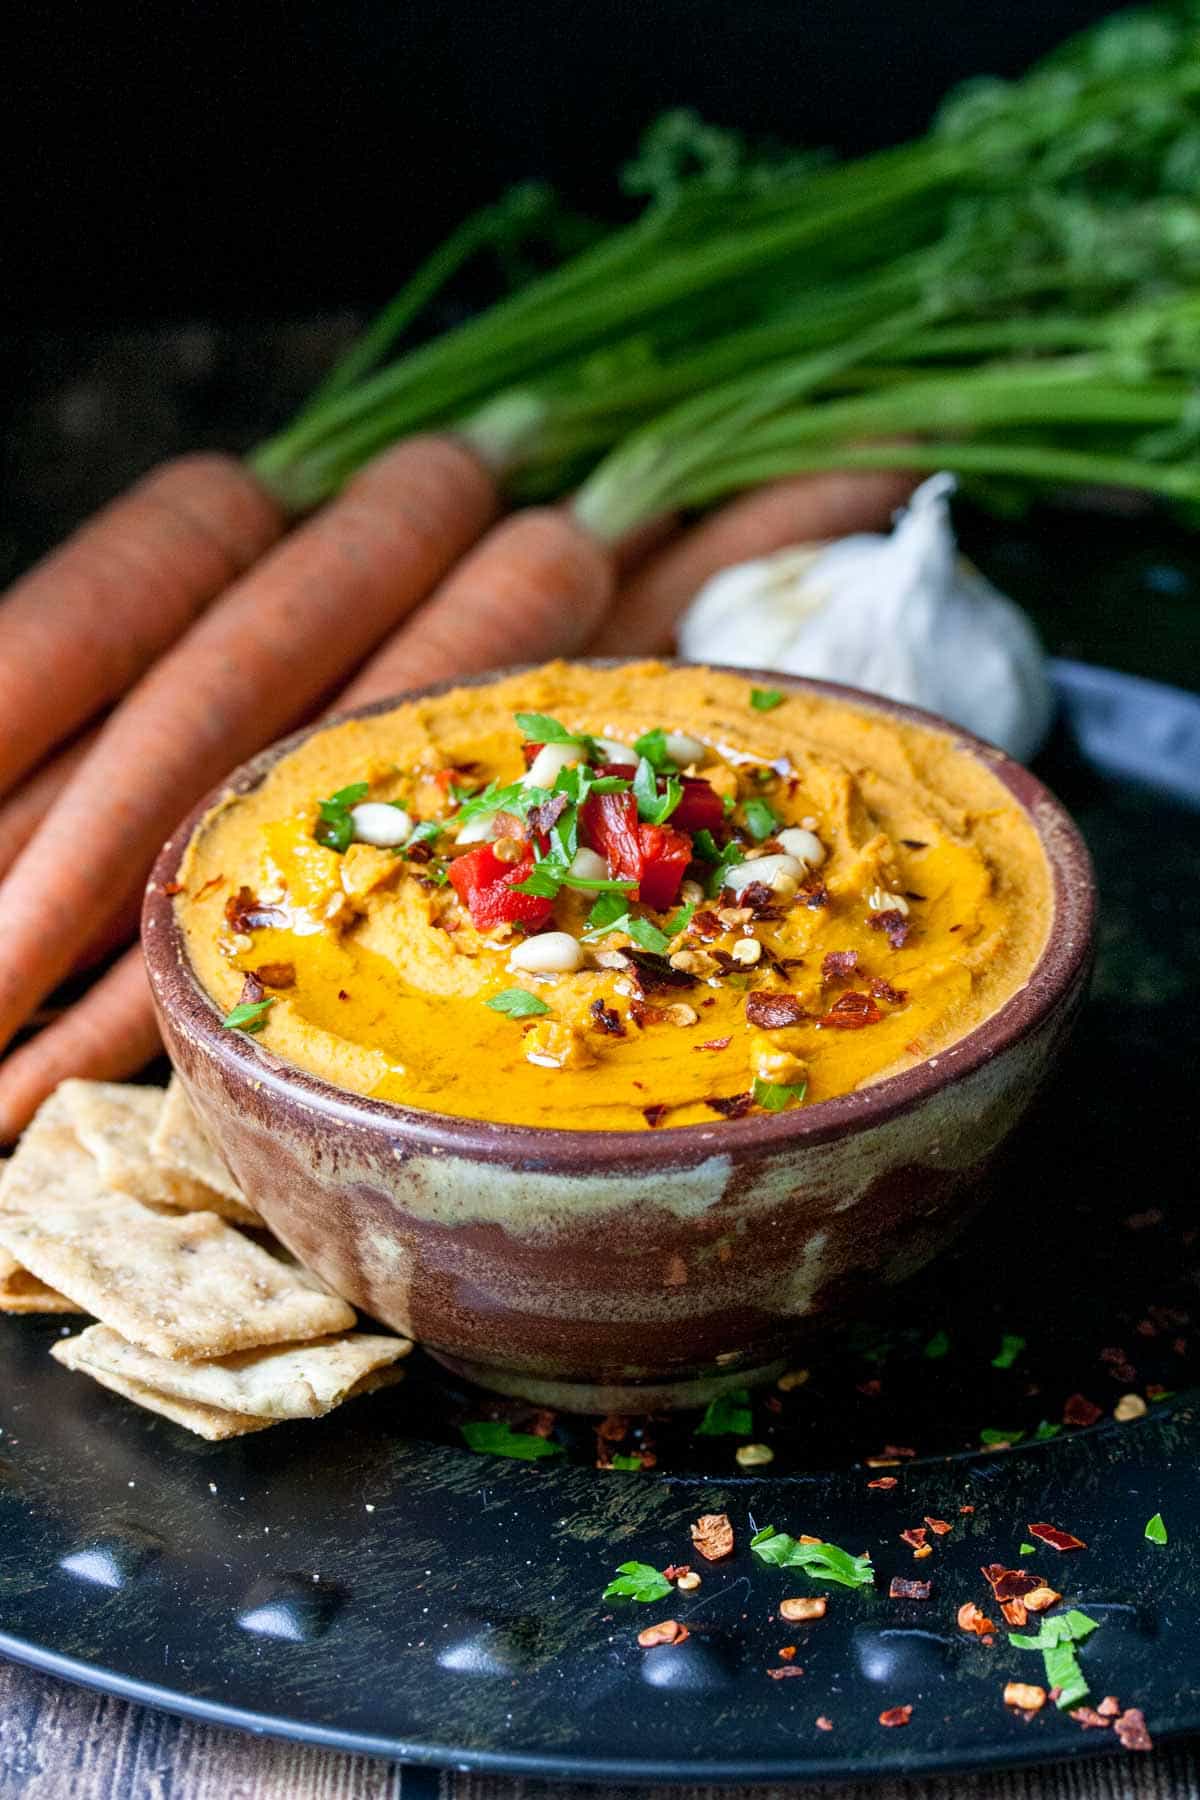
(1064, 960)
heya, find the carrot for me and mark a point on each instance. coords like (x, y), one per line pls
(27, 805)
(107, 1035)
(254, 664)
(80, 628)
(798, 510)
(536, 587)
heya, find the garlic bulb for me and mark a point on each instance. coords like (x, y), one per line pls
(901, 615)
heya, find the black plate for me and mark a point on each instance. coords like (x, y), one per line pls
(369, 1584)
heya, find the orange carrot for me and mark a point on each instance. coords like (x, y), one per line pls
(536, 587)
(80, 628)
(106, 1036)
(253, 665)
(798, 510)
(27, 805)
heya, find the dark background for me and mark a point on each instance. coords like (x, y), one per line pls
(278, 157)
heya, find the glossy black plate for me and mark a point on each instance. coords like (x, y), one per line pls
(368, 1583)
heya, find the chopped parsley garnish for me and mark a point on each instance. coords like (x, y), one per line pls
(622, 1460)
(424, 833)
(653, 807)
(765, 699)
(681, 920)
(540, 728)
(994, 1435)
(937, 1347)
(496, 1437)
(825, 1561)
(1046, 1430)
(637, 1581)
(774, 1097)
(1156, 1531)
(728, 1415)
(517, 1003)
(1027, 1550)
(707, 849)
(1011, 1347)
(1056, 1640)
(550, 873)
(761, 822)
(335, 827)
(646, 935)
(516, 797)
(250, 1015)
(652, 747)
(606, 917)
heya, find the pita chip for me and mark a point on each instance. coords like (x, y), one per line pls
(116, 1121)
(21, 1292)
(183, 1150)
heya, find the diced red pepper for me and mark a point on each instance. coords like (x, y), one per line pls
(700, 809)
(666, 853)
(610, 826)
(485, 885)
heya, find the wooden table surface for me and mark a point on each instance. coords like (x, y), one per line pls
(59, 1742)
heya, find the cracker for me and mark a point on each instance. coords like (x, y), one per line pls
(21, 1292)
(184, 1285)
(50, 1167)
(212, 1422)
(182, 1149)
(115, 1121)
(291, 1381)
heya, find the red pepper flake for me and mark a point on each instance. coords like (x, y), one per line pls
(243, 912)
(1088, 1716)
(342, 994)
(871, 1388)
(788, 1653)
(172, 887)
(674, 1570)
(782, 1674)
(712, 1535)
(706, 926)
(214, 881)
(939, 1527)
(813, 892)
(903, 1589)
(966, 1509)
(760, 899)
(851, 1011)
(277, 975)
(1110, 1706)
(669, 1631)
(772, 1012)
(607, 1018)
(1009, 1584)
(714, 1044)
(1057, 1540)
(731, 1106)
(1079, 1410)
(971, 1619)
(915, 1535)
(654, 1115)
(884, 1481)
(824, 1724)
(839, 965)
(898, 1450)
(883, 990)
(896, 1715)
(1015, 1612)
(894, 924)
(545, 817)
(252, 991)
(654, 973)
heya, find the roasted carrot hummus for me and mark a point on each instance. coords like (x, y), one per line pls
(623, 897)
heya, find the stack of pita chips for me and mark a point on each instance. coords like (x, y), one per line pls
(115, 1204)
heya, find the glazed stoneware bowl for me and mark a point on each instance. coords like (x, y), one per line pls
(618, 1270)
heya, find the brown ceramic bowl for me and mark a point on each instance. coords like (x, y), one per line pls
(626, 1270)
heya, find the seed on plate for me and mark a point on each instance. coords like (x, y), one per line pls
(549, 764)
(791, 1378)
(879, 900)
(680, 1013)
(803, 844)
(781, 873)
(549, 953)
(747, 951)
(478, 831)
(610, 959)
(754, 1456)
(688, 1583)
(375, 822)
(669, 1631)
(586, 865)
(803, 1606)
(1129, 1406)
(1025, 1695)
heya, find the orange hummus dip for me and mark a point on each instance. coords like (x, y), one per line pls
(619, 898)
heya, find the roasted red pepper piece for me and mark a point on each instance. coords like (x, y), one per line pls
(666, 853)
(700, 808)
(610, 826)
(485, 885)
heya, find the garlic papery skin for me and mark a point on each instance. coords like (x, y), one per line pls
(903, 615)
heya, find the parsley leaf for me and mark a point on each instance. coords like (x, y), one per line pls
(774, 1097)
(1064, 1673)
(604, 915)
(765, 699)
(681, 920)
(335, 827)
(251, 1015)
(825, 1561)
(937, 1347)
(497, 1438)
(517, 1003)
(623, 1461)
(1056, 1640)
(1027, 1550)
(653, 807)
(724, 860)
(996, 1435)
(1046, 1430)
(1156, 1531)
(638, 1581)
(761, 821)
(540, 728)
(646, 935)
(544, 880)
(728, 1415)
(424, 833)
(1011, 1347)
(652, 748)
